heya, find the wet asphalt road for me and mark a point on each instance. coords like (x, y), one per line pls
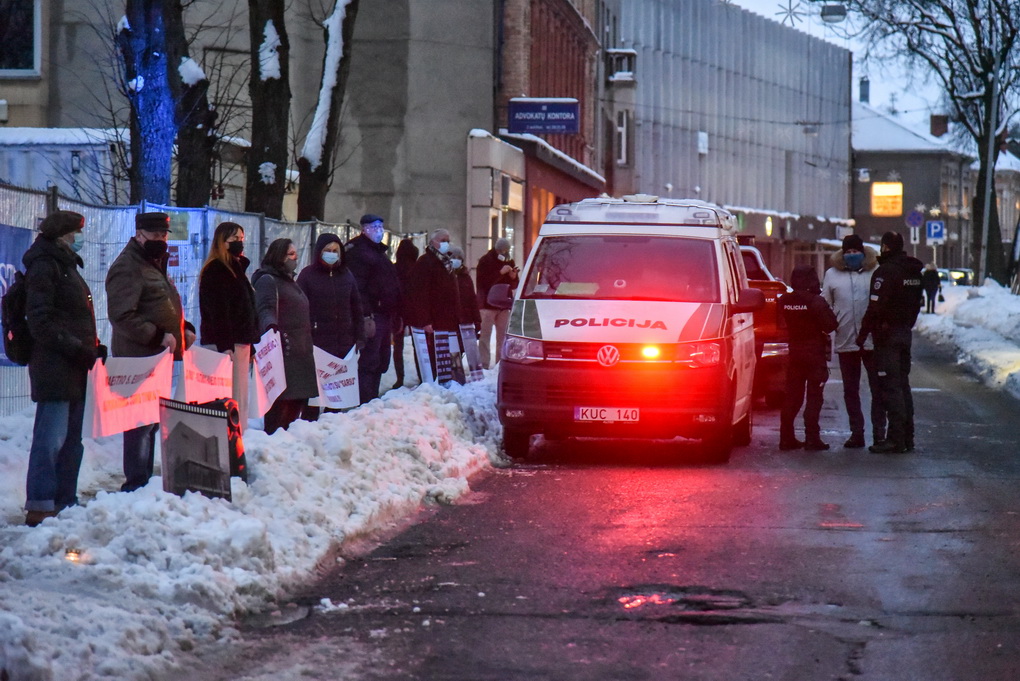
(616, 561)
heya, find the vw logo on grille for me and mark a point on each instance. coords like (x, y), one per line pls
(608, 355)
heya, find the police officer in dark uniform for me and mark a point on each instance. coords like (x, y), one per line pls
(895, 302)
(809, 320)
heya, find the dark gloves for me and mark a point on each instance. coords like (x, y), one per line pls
(861, 338)
(86, 357)
(102, 353)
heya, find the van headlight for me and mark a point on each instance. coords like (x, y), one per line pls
(524, 350)
(703, 354)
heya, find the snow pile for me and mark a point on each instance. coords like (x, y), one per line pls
(983, 323)
(269, 55)
(123, 584)
(267, 172)
(136, 84)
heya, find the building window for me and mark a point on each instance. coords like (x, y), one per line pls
(622, 137)
(20, 38)
(887, 199)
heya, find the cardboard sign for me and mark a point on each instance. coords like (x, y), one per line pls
(421, 354)
(270, 380)
(208, 375)
(124, 393)
(337, 379)
(195, 448)
(445, 343)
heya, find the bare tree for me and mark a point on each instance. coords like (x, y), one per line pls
(970, 48)
(316, 162)
(270, 98)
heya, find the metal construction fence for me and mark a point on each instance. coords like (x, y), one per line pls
(108, 229)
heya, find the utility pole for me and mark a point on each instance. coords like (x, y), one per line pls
(990, 171)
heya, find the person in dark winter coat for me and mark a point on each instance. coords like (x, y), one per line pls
(63, 326)
(495, 267)
(893, 307)
(407, 255)
(467, 307)
(282, 305)
(145, 311)
(379, 287)
(846, 288)
(333, 300)
(932, 286)
(810, 321)
(434, 295)
(226, 301)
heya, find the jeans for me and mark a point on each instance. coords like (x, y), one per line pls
(850, 369)
(374, 359)
(139, 456)
(55, 457)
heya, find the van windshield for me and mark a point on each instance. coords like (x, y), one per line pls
(605, 267)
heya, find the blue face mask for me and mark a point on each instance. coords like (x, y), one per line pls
(854, 261)
(456, 263)
(79, 241)
(330, 258)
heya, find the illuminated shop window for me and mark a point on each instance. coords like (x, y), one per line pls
(887, 199)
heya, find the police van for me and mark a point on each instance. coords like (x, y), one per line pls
(633, 318)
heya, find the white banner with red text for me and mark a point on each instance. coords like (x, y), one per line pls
(123, 393)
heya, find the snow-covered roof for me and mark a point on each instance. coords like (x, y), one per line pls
(874, 130)
(10, 137)
(528, 137)
(1006, 163)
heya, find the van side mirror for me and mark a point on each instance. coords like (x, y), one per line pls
(749, 300)
(500, 297)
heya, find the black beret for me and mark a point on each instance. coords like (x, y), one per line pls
(56, 225)
(369, 218)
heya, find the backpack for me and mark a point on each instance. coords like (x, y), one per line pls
(17, 338)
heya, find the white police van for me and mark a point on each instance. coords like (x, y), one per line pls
(633, 319)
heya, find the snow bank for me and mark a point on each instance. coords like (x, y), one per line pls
(269, 54)
(158, 574)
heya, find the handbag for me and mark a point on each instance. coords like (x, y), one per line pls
(941, 297)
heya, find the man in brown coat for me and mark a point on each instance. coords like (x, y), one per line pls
(146, 314)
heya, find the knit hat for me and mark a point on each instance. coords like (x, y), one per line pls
(153, 222)
(853, 242)
(56, 225)
(369, 218)
(805, 278)
(894, 240)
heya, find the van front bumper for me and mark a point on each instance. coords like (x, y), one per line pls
(671, 399)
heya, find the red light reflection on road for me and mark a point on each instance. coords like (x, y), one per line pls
(631, 602)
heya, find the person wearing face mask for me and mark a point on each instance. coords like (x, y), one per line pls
(495, 267)
(226, 301)
(282, 305)
(63, 325)
(467, 302)
(434, 299)
(147, 317)
(333, 301)
(379, 286)
(846, 287)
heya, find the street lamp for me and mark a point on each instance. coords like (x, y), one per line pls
(833, 13)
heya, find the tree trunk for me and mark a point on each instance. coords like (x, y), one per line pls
(143, 47)
(316, 162)
(995, 263)
(270, 99)
(196, 120)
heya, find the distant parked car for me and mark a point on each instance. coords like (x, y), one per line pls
(770, 340)
(961, 276)
(945, 279)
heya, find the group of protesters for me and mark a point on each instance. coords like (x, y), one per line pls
(350, 296)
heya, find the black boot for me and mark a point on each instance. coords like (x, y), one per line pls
(888, 447)
(788, 443)
(856, 441)
(815, 444)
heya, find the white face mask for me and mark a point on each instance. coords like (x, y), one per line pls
(444, 246)
(330, 257)
(456, 263)
(502, 258)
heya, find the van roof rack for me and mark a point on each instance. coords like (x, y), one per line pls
(646, 209)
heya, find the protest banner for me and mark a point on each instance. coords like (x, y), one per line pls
(270, 380)
(208, 375)
(337, 379)
(123, 393)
